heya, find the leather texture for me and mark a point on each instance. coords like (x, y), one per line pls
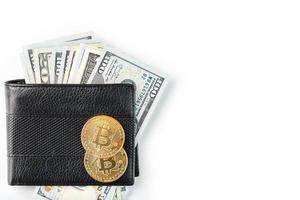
(44, 123)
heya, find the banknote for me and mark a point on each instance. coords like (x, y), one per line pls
(77, 60)
(116, 67)
(42, 66)
(77, 54)
(122, 193)
(73, 58)
(28, 65)
(25, 64)
(75, 193)
(117, 195)
(69, 62)
(28, 57)
(90, 59)
(65, 61)
(50, 61)
(57, 62)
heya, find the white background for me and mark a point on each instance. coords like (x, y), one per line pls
(227, 126)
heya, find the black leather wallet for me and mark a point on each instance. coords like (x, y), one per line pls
(44, 123)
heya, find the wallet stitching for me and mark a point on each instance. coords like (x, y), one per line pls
(50, 155)
(72, 86)
(65, 116)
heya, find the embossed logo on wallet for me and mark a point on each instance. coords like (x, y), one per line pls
(103, 138)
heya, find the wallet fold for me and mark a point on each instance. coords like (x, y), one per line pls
(44, 123)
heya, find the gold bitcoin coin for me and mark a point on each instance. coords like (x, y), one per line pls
(106, 169)
(103, 135)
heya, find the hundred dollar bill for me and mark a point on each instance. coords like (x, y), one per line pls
(24, 68)
(28, 57)
(48, 64)
(90, 59)
(57, 62)
(118, 194)
(77, 59)
(115, 67)
(77, 53)
(29, 63)
(69, 62)
(74, 192)
(73, 58)
(108, 192)
(42, 65)
(65, 61)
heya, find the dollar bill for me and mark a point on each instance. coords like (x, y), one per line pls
(77, 60)
(28, 57)
(57, 63)
(121, 193)
(69, 63)
(24, 68)
(42, 65)
(66, 60)
(118, 194)
(77, 54)
(75, 192)
(116, 67)
(51, 60)
(115, 197)
(90, 59)
(28, 61)
(73, 59)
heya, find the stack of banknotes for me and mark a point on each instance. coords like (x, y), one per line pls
(86, 59)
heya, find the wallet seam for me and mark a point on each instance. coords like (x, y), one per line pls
(50, 155)
(70, 86)
(64, 116)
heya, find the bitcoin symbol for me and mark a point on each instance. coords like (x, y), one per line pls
(102, 138)
(106, 165)
(103, 135)
(106, 169)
